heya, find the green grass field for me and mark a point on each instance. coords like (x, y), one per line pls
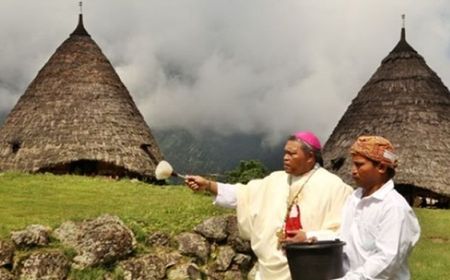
(50, 200)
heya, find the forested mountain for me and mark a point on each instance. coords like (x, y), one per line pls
(213, 153)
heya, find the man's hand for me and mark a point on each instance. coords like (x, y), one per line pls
(300, 236)
(196, 183)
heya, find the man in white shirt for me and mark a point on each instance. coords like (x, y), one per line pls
(378, 226)
(301, 202)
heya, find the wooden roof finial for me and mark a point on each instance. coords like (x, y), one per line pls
(80, 30)
(403, 33)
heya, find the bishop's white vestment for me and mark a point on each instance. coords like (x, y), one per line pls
(262, 205)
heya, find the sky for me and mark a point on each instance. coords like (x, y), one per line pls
(229, 66)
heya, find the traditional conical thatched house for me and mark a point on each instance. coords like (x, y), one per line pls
(77, 116)
(406, 102)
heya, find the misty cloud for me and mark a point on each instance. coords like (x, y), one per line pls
(254, 66)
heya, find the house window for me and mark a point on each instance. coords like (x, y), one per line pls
(15, 145)
(337, 163)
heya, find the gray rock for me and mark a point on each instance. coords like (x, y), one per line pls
(224, 258)
(212, 274)
(33, 235)
(158, 239)
(150, 266)
(233, 275)
(99, 241)
(185, 271)
(214, 228)
(68, 233)
(170, 259)
(145, 267)
(6, 275)
(191, 244)
(243, 261)
(239, 244)
(6, 252)
(49, 265)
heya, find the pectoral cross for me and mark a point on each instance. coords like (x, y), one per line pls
(281, 236)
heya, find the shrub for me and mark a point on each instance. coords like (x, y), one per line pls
(246, 171)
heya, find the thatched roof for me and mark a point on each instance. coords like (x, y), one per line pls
(406, 102)
(78, 110)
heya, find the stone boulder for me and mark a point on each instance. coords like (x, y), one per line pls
(233, 275)
(194, 245)
(224, 258)
(5, 274)
(6, 252)
(100, 241)
(149, 266)
(244, 262)
(185, 271)
(68, 233)
(158, 239)
(144, 267)
(238, 243)
(214, 228)
(33, 235)
(47, 265)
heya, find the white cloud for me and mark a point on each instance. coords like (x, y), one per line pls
(231, 66)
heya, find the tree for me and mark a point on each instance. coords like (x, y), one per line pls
(246, 171)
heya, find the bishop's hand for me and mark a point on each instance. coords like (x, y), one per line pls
(196, 183)
(297, 236)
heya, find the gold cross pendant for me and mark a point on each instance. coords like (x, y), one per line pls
(280, 235)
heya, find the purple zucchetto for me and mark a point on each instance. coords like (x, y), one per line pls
(309, 138)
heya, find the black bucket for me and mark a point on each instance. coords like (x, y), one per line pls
(321, 260)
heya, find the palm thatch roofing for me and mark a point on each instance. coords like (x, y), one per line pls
(406, 102)
(77, 114)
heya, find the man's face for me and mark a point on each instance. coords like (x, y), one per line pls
(295, 160)
(365, 172)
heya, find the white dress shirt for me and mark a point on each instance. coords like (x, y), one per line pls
(380, 231)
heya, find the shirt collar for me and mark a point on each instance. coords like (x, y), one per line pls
(379, 194)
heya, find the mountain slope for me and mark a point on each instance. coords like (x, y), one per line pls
(214, 153)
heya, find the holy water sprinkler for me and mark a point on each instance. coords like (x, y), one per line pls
(164, 170)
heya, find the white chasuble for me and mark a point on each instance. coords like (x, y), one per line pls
(262, 206)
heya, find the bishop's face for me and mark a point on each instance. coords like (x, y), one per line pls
(296, 162)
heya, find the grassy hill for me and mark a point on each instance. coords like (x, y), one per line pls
(50, 200)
